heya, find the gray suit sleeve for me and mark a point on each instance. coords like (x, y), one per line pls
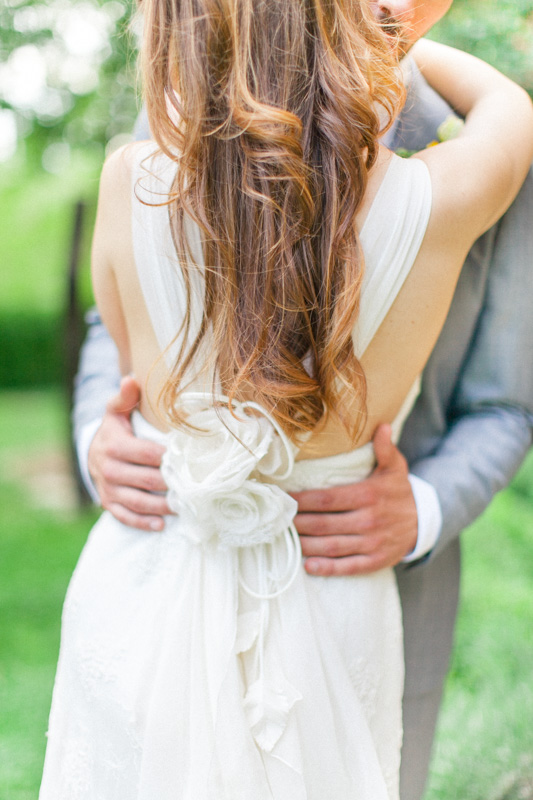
(98, 374)
(478, 457)
(491, 409)
(423, 112)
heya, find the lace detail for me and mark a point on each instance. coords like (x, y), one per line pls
(365, 684)
(77, 770)
(100, 663)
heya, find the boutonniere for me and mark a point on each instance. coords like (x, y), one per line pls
(449, 129)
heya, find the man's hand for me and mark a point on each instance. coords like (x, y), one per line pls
(125, 470)
(362, 527)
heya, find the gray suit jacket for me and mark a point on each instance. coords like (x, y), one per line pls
(470, 428)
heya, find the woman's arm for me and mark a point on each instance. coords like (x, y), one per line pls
(476, 176)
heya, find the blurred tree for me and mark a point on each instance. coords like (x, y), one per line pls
(67, 72)
(67, 67)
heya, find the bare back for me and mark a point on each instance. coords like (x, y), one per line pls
(412, 288)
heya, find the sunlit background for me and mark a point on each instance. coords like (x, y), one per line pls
(68, 95)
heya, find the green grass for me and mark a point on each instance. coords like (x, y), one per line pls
(38, 551)
(31, 418)
(485, 738)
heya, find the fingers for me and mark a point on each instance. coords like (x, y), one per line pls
(128, 491)
(138, 502)
(127, 398)
(125, 470)
(343, 523)
(121, 473)
(336, 546)
(351, 565)
(135, 507)
(140, 521)
(339, 498)
(128, 450)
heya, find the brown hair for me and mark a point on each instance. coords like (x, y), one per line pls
(272, 110)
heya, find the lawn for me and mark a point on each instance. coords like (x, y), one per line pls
(485, 738)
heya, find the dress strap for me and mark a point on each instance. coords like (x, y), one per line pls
(158, 269)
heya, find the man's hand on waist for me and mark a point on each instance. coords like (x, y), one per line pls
(362, 527)
(125, 469)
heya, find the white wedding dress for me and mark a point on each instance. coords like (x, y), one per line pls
(203, 663)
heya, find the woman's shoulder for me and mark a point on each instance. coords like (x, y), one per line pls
(113, 224)
(124, 162)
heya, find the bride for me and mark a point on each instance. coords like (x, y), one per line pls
(276, 280)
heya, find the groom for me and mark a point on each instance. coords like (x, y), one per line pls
(463, 442)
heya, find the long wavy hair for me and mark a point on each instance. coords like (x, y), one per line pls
(272, 110)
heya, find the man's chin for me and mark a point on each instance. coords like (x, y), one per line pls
(397, 39)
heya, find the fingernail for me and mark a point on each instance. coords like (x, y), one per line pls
(312, 566)
(157, 525)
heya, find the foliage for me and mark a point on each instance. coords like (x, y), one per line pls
(67, 71)
(76, 59)
(35, 261)
(498, 31)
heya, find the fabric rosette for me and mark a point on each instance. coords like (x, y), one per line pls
(221, 472)
(217, 473)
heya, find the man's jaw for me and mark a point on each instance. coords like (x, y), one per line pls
(397, 34)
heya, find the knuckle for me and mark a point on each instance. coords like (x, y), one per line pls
(323, 501)
(369, 519)
(106, 502)
(307, 524)
(374, 563)
(402, 461)
(151, 481)
(113, 451)
(118, 512)
(324, 526)
(137, 503)
(107, 471)
(330, 547)
(368, 494)
(365, 545)
(151, 456)
(349, 566)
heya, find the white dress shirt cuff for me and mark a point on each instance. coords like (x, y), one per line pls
(429, 518)
(85, 437)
